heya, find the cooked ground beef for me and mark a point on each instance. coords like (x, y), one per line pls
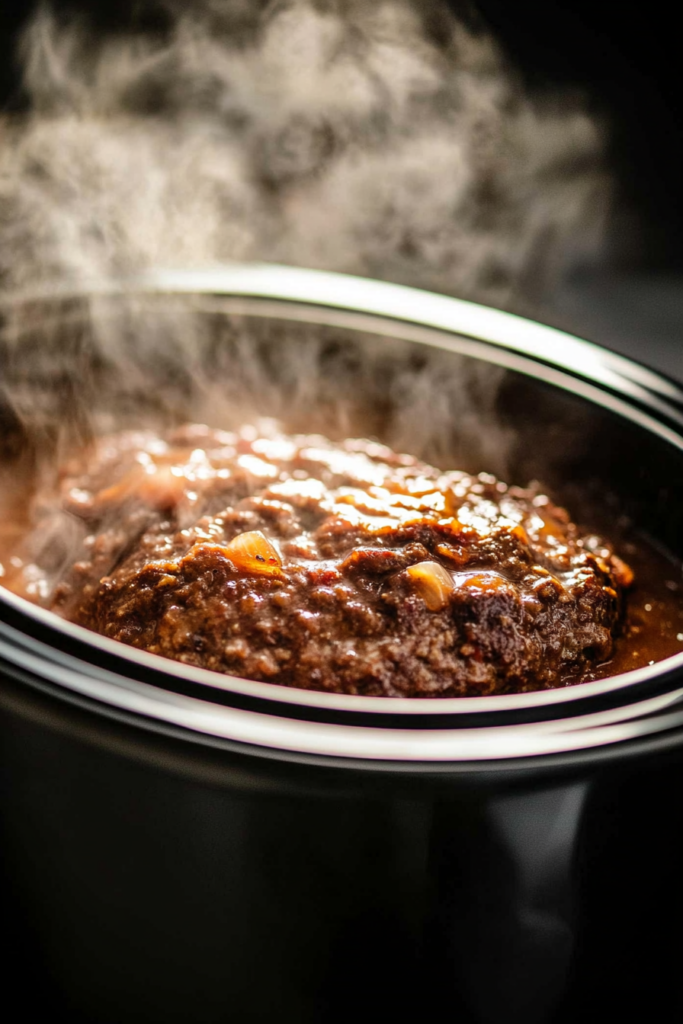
(340, 567)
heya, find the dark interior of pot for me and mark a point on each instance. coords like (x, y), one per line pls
(74, 368)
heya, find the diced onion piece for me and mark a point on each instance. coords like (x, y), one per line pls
(451, 502)
(116, 493)
(520, 534)
(159, 489)
(252, 552)
(433, 583)
(163, 489)
(622, 571)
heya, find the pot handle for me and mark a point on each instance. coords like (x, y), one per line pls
(506, 900)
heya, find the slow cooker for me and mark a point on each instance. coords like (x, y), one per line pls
(181, 846)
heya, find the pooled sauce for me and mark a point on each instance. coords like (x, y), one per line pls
(653, 625)
(342, 567)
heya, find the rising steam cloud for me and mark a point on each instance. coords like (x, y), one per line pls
(384, 139)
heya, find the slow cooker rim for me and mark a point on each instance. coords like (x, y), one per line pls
(289, 285)
(637, 741)
(403, 303)
(29, 621)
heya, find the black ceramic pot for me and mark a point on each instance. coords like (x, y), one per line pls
(180, 846)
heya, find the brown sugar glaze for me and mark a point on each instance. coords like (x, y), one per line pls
(347, 568)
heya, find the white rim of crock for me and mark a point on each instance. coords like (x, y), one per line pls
(439, 321)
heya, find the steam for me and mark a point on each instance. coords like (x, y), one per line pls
(384, 139)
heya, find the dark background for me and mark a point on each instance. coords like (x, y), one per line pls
(626, 61)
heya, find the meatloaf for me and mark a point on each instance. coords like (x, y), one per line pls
(342, 567)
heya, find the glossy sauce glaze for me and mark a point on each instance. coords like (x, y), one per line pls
(342, 567)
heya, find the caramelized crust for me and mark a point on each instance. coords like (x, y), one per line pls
(340, 567)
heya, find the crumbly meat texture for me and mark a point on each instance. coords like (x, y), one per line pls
(339, 567)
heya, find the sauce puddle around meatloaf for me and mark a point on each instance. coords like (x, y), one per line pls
(340, 567)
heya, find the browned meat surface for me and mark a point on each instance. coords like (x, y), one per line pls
(340, 567)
